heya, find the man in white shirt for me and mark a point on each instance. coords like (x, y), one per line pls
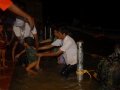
(55, 44)
(22, 29)
(69, 51)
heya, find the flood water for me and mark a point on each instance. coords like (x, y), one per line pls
(49, 79)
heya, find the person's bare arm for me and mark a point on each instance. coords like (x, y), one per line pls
(36, 41)
(2, 41)
(46, 47)
(15, 9)
(19, 54)
(50, 53)
(46, 41)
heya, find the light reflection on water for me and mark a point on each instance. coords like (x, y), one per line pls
(49, 79)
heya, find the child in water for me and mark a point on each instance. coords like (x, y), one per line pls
(33, 61)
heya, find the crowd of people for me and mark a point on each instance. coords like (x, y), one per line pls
(26, 41)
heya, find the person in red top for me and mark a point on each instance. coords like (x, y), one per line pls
(8, 4)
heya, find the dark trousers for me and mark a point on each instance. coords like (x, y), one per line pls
(68, 69)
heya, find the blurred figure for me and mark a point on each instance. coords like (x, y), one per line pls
(3, 44)
(108, 70)
(31, 51)
(53, 45)
(23, 30)
(116, 52)
(8, 4)
(69, 51)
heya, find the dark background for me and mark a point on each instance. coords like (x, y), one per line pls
(97, 16)
(88, 13)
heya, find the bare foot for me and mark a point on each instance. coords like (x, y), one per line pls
(32, 74)
(37, 68)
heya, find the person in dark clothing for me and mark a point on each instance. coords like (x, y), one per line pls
(3, 44)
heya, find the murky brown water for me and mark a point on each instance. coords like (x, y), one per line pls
(49, 79)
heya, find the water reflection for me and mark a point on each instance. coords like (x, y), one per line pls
(49, 79)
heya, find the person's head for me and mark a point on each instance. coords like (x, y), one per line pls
(29, 41)
(19, 22)
(54, 28)
(61, 32)
(1, 26)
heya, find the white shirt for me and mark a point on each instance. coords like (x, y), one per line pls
(57, 42)
(25, 32)
(70, 50)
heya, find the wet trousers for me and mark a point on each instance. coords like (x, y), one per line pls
(68, 69)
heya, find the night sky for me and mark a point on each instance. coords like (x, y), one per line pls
(88, 13)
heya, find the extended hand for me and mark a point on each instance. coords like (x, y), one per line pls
(39, 54)
(30, 21)
(17, 56)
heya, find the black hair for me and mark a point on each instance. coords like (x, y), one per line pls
(30, 41)
(63, 29)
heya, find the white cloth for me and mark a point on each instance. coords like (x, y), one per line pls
(57, 42)
(70, 50)
(24, 32)
(19, 22)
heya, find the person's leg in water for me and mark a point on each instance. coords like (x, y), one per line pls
(0, 59)
(29, 68)
(13, 51)
(68, 69)
(3, 53)
(37, 67)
